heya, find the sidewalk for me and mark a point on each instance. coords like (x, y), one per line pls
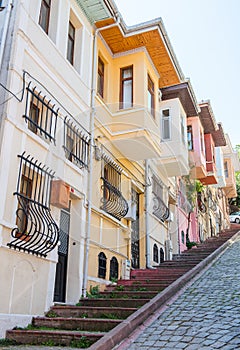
(206, 316)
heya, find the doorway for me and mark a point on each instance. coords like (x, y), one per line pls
(135, 231)
(61, 268)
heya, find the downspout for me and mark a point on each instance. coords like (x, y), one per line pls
(147, 215)
(5, 29)
(90, 176)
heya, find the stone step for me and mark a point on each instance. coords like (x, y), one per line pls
(142, 287)
(83, 324)
(91, 312)
(56, 337)
(129, 294)
(146, 282)
(116, 302)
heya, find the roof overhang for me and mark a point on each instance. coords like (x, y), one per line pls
(96, 10)
(151, 35)
(210, 125)
(185, 94)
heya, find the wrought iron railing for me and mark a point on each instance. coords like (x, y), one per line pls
(113, 201)
(201, 206)
(36, 231)
(160, 210)
(76, 143)
(40, 114)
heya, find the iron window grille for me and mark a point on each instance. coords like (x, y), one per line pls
(45, 15)
(76, 143)
(201, 206)
(40, 114)
(36, 230)
(113, 201)
(160, 210)
(113, 268)
(102, 265)
(183, 202)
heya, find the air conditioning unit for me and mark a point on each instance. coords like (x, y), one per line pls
(126, 268)
(170, 217)
(131, 214)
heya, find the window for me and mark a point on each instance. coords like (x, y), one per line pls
(40, 115)
(113, 269)
(226, 169)
(23, 208)
(201, 141)
(34, 116)
(100, 77)
(190, 137)
(126, 87)
(76, 143)
(102, 263)
(71, 43)
(166, 125)
(183, 130)
(155, 253)
(161, 255)
(45, 15)
(113, 201)
(151, 104)
(182, 237)
(36, 231)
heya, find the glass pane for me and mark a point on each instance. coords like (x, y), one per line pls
(127, 94)
(127, 73)
(166, 129)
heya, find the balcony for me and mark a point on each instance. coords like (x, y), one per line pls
(134, 132)
(230, 188)
(211, 178)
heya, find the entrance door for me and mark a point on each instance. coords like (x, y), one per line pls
(135, 232)
(61, 269)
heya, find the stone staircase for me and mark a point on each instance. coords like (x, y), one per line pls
(113, 310)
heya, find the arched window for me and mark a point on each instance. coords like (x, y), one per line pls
(161, 255)
(182, 237)
(155, 253)
(102, 262)
(113, 268)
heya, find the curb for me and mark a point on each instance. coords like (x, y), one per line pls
(123, 330)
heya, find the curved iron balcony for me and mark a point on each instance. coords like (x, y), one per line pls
(113, 201)
(39, 233)
(36, 231)
(160, 210)
(201, 206)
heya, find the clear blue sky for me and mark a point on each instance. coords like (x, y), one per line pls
(205, 36)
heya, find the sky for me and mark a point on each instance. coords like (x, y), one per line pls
(205, 36)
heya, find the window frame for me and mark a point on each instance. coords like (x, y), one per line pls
(190, 139)
(114, 268)
(168, 120)
(122, 81)
(155, 253)
(151, 93)
(102, 265)
(71, 42)
(100, 77)
(44, 21)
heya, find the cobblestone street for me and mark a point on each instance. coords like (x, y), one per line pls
(205, 317)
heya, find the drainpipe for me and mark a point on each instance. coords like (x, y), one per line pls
(147, 215)
(90, 175)
(5, 30)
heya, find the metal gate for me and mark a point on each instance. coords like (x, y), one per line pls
(135, 231)
(61, 269)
